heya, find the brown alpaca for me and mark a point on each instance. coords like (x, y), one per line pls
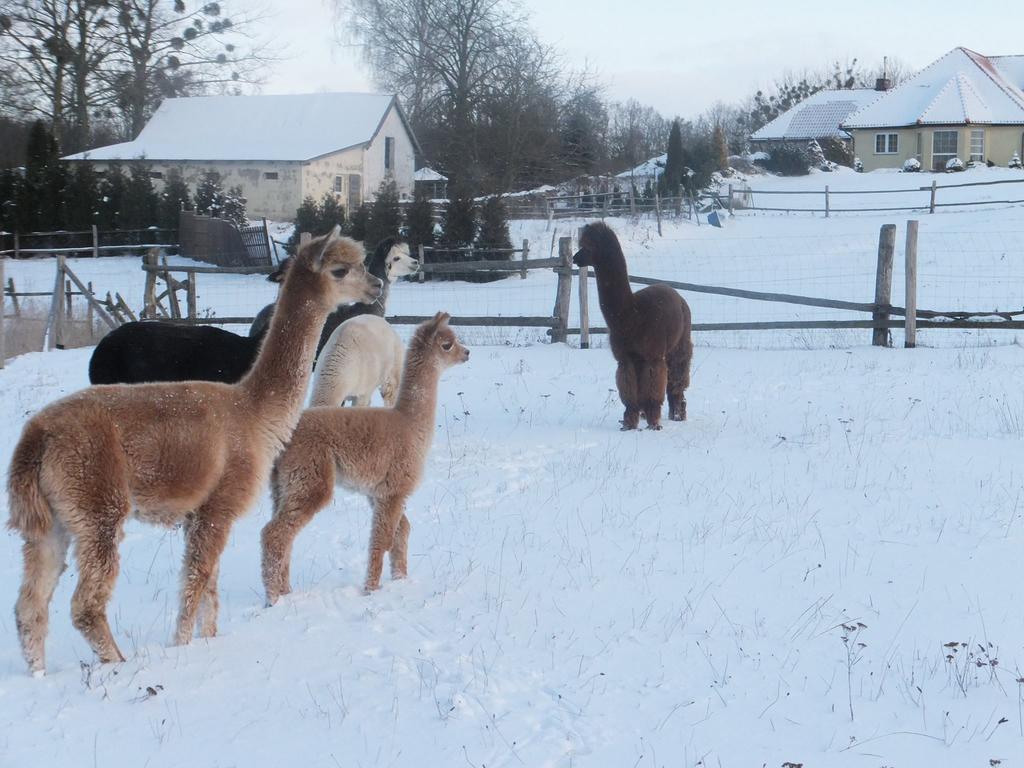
(378, 452)
(197, 452)
(649, 332)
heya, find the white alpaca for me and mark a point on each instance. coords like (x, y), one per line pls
(363, 354)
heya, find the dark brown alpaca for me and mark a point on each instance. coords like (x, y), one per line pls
(649, 332)
(196, 452)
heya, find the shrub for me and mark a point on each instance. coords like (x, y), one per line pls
(140, 200)
(234, 207)
(911, 165)
(788, 160)
(837, 152)
(357, 224)
(174, 198)
(113, 189)
(1015, 161)
(385, 218)
(954, 164)
(419, 222)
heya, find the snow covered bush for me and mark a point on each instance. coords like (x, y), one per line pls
(816, 157)
(787, 160)
(212, 200)
(911, 165)
(1015, 161)
(954, 164)
(858, 166)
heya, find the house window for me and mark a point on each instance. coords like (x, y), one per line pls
(886, 143)
(338, 184)
(943, 148)
(355, 191)
(270, 175)
(155, 175)
(389, 153)
(978, 145)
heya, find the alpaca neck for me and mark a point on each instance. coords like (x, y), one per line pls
(278, 379)
(417, 394)
(613, 291)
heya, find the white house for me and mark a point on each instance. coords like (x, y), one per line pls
(278, 149)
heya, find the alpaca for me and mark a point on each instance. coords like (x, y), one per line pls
(156, 350)
(649, 332)
(379, 452)
(363, 354)
(197, 452)
(390, 261)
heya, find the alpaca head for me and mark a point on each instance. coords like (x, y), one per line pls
(398, 262)
(435, 339)
(598, 244)
(336, 264)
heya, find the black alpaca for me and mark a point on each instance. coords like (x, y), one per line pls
(390, 260)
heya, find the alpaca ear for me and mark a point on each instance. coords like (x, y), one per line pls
(441, 318)
(332, 237)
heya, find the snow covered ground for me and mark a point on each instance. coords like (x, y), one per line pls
(777, 580)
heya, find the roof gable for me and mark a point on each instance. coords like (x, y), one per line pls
(293, 127)
(961, 87)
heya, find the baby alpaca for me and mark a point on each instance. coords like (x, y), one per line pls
(363, 354)
(378, 452)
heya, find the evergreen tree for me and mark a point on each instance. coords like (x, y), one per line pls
(43, 191)
(494, 229)
(233, 209)
(83, 196)
(420, 223)
(358, 222)
(174, 199)
(210, 195)
(721, 148)
(9, 183)
(113, 189)
(330, 214)
(307, 219)
(672, 178)
(458, 226)
(140, 201)
(385, 215)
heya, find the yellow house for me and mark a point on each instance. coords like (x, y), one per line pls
(964, 105)
(278, 149)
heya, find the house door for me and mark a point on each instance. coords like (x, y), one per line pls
(355, 191)
(943, 148)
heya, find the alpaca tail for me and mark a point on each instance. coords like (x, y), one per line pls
(30, 512)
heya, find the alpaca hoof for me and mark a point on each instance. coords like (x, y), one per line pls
(38, 674)
(369, 589)
(627, 427)
(655, 427)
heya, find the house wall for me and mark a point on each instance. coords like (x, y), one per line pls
(404, 166)
(318, 176)
(274, 198)
(1001, 141)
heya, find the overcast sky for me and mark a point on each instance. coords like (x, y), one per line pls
(678, 56)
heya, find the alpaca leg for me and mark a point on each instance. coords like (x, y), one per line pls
(626, 381)
(296, 502)
(44, 563)
(652, 381)
(206, 537)
(210, 605)
(399, 554)
(389, 391)
(679, 379)
(387, 514)
(98, 562)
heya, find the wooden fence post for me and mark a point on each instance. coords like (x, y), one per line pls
(526, 255)
(910, 324)
(584, 308)
(883, 283)
(16, 244)
(730, 201)
(95, 242)
(149, 293)
(657, 209)
(420, 258)
(931, 204)
(14, 296)
(68, 311)
(54, 334)
(89, 311)
(560, 332)
(826, 202)
(190, 296)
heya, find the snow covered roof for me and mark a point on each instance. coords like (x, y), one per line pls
(291, 127)
(817, 117)
(960, 88)
(652, 167)
(428, 174)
